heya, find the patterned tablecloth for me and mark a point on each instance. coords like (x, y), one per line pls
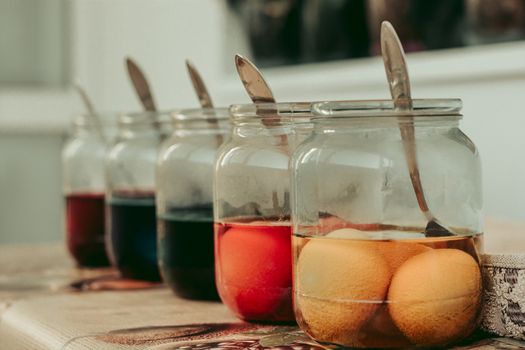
(45, 303)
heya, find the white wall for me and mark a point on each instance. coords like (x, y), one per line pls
(160, 34)
(30, 187)
(32, 40)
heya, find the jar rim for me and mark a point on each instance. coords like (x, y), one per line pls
(201, 114)
(145, 117)
(106, 119)
(358, 109)
(288, 110)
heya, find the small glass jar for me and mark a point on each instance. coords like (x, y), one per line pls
(130, 199)
(84, 185)
(184, 201)
(366, 274)
(252, 210)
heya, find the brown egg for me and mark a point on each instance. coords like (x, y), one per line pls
(435, 296)
(336, 287)
(348, 233)
(397, 252)
(381, 332)
(394, 252)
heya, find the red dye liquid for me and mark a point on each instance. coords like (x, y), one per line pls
(253, 267)
(85, 229)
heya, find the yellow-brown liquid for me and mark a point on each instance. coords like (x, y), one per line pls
(387, 293)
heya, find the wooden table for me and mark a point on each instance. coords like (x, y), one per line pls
(39, 309)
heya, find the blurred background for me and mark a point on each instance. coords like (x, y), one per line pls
(308, 49)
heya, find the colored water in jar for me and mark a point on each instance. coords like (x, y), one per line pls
(85, 229)
(186, 252)
(387, 293)
(253, 269)
(133, 235)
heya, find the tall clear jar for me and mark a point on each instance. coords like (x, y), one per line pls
(83, 179)
(252, 210)
(184, 201)
(130, 198)
(367, 273)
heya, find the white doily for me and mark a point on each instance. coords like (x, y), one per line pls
(504, 297)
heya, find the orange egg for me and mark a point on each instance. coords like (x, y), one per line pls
(434, 297)
(397, 252)
(339, 285)
(381, 332)
(394, 252)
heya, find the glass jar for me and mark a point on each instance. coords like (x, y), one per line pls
(184, 201)
(365, 273)
(130, 199)
(84, 184)
(252, 210)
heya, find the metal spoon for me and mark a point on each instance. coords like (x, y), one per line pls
(259, 91)
(98, 125)
(253, 81)
(141, 85)
(397, 75)
(91, 112)
(199, 86)
(203, 96)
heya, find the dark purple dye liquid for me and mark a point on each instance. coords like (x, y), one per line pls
(133, 235)
(186, 255)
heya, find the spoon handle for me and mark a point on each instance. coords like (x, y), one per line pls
(259, 92)
(409, 144)
(91, 111)
(85, 99)
(141, 85)
(257, 88)
(204, 98)
(399, 83)
(199, 86)
(253, 81)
